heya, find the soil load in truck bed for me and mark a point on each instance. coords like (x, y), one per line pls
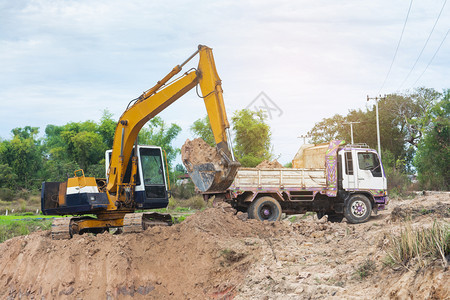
(274, 164)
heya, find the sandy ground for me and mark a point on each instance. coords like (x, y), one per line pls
(215, 254)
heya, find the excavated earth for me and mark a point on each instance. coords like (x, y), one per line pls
(215, 254)
(198, 151)
(269, 164)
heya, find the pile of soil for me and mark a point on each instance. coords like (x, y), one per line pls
(406, 213)
(215, 254)
(265, 164)
(198, 151)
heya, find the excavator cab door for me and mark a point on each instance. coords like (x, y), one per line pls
(152, 192)
(151, 183)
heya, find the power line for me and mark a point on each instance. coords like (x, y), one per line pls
(398, 45)
(431, 60)
(426, 43)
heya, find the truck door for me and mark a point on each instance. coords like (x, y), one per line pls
(347, 171)
(368, 171)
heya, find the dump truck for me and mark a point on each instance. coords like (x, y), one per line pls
(330, 179)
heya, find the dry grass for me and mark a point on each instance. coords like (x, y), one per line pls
(366, 269)
(420, 246)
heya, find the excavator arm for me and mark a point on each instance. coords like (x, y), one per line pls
(155, 100)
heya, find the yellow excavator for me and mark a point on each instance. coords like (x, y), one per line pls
(136, 178)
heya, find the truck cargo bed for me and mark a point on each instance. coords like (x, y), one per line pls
(284, 178)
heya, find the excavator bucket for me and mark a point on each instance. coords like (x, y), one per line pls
(210, 169)
(209, 179)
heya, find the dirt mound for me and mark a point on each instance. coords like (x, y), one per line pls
(430, 283)
(204, 257)
(265, 164)
(198, 151)
(215, 254)
(405, 213)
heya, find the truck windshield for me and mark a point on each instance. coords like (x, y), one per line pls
(369, 161)
(152, 168)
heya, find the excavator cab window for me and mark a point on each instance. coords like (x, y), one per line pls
(153, 173)
(152, 168)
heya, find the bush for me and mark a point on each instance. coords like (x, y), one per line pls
(23, 194)
(183, 191)
(195, 202)
(7, 194)
(398, 182)
(367, 268)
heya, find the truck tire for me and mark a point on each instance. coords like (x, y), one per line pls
(357, 209)
(265, 209)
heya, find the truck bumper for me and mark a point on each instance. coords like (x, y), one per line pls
(380, 203)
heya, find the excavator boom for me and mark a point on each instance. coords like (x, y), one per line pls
(207, 177)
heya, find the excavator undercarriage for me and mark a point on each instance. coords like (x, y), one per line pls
(66, 227)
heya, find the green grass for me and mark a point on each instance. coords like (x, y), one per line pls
(12, 226)
(21, 217)
(309, 213)
(293, 219)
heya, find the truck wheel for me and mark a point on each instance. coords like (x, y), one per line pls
(265, 208)
(358, 209)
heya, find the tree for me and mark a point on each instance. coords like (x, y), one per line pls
(328, 129)
(88, 148)
(8, 178)
(107, 128)
(23, 155)
(202, 129)
(410, 122)
(432, 159)
(403, 118)
(26, 132)
(59, 170)
(78, 145)
(252, 137)
(159, 134)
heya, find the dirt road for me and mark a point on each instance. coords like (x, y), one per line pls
(217, 255)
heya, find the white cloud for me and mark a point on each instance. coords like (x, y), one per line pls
(66, 61)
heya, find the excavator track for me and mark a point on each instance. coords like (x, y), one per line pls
(138, 222)
(61, 229)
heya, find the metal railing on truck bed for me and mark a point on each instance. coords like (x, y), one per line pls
(282, 178)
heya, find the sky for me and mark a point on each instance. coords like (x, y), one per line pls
(66, 61)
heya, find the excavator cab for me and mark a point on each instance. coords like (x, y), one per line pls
(82, 195)
(151, 181)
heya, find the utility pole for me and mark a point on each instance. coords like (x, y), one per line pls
(304, 136)
(351, 128)
(378, 120)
